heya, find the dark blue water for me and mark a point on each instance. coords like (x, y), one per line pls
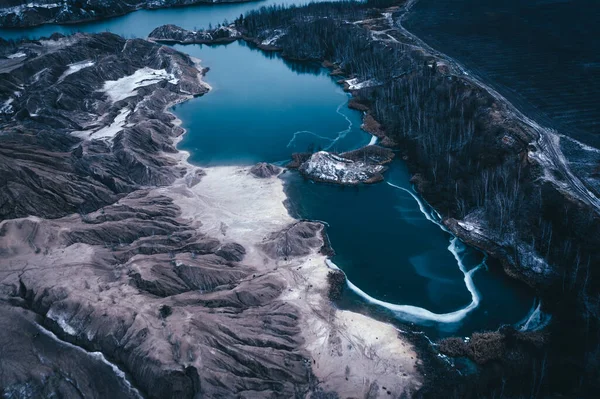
(141, 23)
(262, 108)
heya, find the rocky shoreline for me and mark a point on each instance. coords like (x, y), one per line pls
(189, 281)
(220, 35)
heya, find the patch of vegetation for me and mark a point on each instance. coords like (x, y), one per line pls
(337, 282)
(165, 311)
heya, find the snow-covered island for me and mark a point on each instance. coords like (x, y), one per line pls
(356, 167)
(176, 34)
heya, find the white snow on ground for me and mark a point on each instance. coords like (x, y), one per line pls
(7, 108)
(216, 34)
(127, 86)
(270, 41)
(107, 132)
(470, 226)
(37, 76)
(232, 31)
(329, 167)
(61, 321)
(356, 84)
(17, 55)
(536, 319)
(21, 8)
(78, 66)
(388, 17)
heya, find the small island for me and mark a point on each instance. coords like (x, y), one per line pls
(365, 165)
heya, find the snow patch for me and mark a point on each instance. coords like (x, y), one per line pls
(61, 321)
(329, 167)
(107, 132)
(530, 260)
(356, 84)
(536, 320)
(22, 8)
(471, 227)
(17, 55)
(7, 107)
(271, 40)
(127, 86)
(78, 66)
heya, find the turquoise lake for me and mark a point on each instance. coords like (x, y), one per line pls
(141, 23)
(263, 108)
(386, 239)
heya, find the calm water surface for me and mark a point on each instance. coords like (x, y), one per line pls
(141, 23)
(263, 109)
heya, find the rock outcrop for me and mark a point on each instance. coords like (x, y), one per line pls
(298, 239)
(175, 34)
(264, 170)
(330, 168)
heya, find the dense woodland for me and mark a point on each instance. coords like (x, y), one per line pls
(470, 163)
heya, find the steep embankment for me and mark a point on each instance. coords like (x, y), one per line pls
(160, 279)
(23, 13)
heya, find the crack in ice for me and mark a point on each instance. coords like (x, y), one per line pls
(418, 314)
(340, 135)
(306, 132)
